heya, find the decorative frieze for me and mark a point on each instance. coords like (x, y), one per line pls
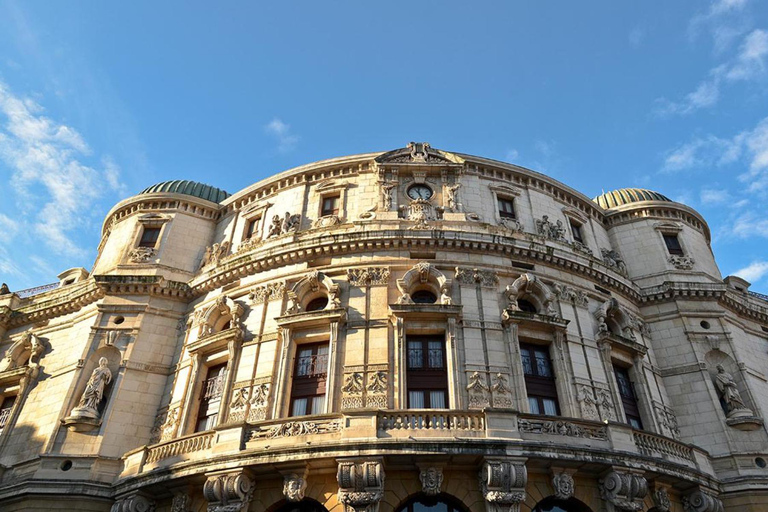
(376, 390)
(238, 406)
(472, 276)
(501, 392)
(613, 260)
(661, 499)
(580, 247)
(295, 428)
(502, 483)
(370, 276)
(551, 230)
(141, 254)
(228, 492)
(588, 403)
(623, 491)
(667, 421)
(282, 226)
(567, 294)
(477, 390)
(352, 391)
(361, 485)
(266, 293)
(562, 428)
(181, 502)
(681, 262)
(170, 425)
(326, 221)
(258, 402)
(214, 253)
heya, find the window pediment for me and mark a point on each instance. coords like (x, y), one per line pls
(546, 322)
(622, 342)
(312, 318)
(215, 342)
(425, 310)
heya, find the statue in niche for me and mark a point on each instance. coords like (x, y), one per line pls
(728, 390)
(386, 191)
(453, 197)
(94, 391)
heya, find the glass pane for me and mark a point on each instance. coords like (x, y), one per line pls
(635, 423)
(437, 400)
(527, 366)
(435, 354)
(542, 364)
(550, 407)
(416, 399)
(318, 404)
(415, 354)
(533, 404)
(299, 407)
(437, 507)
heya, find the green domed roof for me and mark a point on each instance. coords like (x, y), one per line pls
(190, 188)
(628, 195)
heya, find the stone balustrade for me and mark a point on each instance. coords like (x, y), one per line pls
(659, 446)
(196, 442)
(432, 420)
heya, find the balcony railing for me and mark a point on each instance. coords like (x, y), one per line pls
(660, 446)
(194, 443)
(4, 415)
(312, 366)
(430, 419)
(37, 290)
(213, 388)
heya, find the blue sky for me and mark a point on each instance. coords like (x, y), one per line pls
(101, 99)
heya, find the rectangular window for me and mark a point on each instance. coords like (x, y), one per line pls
(330, 206)
(628, 397)
(673, 244)
(426, 375)
(539, 380)
(210, 397)
(149, 237)
(310, 375)
(252, 227)
(506, 208)
(5, 410)
(576, 231)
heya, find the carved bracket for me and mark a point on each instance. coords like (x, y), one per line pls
(502, 482)
(361, 485)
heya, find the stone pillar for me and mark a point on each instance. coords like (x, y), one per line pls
(228, 491)
(517, 381)
(134, 502)
(623, 490)
(361, 484)
(502, 482)
(561, 360)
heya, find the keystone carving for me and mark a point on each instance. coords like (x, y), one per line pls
(181, 503)
(623, 491)
(294, 486)
(361, 485)
(563, 484)
(502, 483)
(431, 480)
(661, 499)
(228, 492)
(486, 278)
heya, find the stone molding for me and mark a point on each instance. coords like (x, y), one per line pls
(361, 484)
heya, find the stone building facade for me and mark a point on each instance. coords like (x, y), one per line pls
(389, 332)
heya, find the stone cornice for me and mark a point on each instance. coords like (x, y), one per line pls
(55, 303)
(143, 285)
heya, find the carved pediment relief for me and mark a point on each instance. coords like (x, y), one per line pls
(418, 152)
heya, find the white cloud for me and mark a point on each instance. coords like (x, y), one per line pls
(754, 271)
(750, 62)
(714, 196)
(704, 152)
(55, 189)
(512, 155)
(282, 131)
(749, 225)
(724, 20)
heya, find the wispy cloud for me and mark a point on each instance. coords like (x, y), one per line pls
(55, 189)
(723, 20)
(754, 271)
(512, 155)
(749, 64)
(714, 196)
(286, 141)
(703, 152)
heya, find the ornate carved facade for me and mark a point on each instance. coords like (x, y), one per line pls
(383, 332)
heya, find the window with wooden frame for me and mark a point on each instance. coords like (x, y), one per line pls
(576, 232)
(210, 397)
(5, 411)
(673, 244)
(310, 378)
(252, 227)
(330, 205)
(539, 380)
(628, 397)
(506, 207)
(149, 237)
(426, 374)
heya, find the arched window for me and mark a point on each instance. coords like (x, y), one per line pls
(526, 306)
(553, 504)
(317, 304)
(423, 297)
(440, 503)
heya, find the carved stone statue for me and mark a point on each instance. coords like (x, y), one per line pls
(728, 391)
(445, 296)
(28, 342)
(94, 391)
(275, 229)
(4, 290)
(453, 196)
(386, 194)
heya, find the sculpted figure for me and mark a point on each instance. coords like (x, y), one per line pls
(4, 289)
(453, 196)
(386, 191)
(206, 257)
(94, 390)
(276, 227)
(728, 390)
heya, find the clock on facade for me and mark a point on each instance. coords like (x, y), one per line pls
(420, 192)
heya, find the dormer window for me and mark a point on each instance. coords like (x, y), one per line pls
(673, 244)
(330, 206)
(423, 297)
(576, 232)
(506, 208)
(149, 237)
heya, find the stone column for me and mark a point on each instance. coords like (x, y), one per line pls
(517, 381)
(330, 385)
(233, 351)
(361, 484)
(502, 482)
(228, 491)
(623, 490)
(564, 372)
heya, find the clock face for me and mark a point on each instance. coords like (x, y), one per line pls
(419, 192)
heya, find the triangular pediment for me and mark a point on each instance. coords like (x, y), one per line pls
(418, 153)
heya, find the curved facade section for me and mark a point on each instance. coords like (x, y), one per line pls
(388, 332)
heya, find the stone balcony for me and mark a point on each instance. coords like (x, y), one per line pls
(402, 432)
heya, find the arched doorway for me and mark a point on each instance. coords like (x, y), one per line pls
(440, 503)
(553, 504)
(305, 505)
